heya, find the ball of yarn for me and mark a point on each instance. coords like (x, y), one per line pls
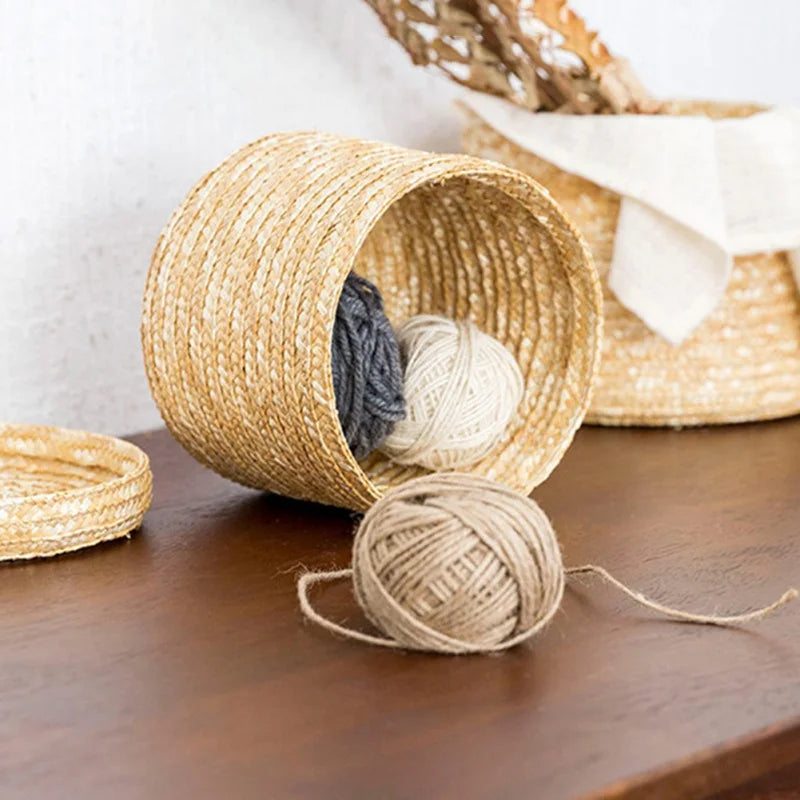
(366, 366)
(462, 389)
(457, 563)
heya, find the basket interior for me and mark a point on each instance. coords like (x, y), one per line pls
(32, 465)
(465, 248)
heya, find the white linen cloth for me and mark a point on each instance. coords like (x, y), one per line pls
(695, 192)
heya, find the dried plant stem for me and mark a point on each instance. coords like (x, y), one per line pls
(536, 53)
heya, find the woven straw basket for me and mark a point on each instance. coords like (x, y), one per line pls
(742, 363)
(62, 490)
(243, 288)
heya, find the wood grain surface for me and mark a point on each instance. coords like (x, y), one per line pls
(176, 664)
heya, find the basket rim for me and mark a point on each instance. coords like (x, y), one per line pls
(51, 522)
(51, 432)
(494, 174)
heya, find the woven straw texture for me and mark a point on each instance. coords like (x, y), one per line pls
(742, 363)
(62, 490)
(242, 293)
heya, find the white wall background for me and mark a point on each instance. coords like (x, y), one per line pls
(109, 112)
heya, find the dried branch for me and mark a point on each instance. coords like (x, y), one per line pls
(536, 53)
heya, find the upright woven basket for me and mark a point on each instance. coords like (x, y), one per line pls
(742, 363)
(242, 293)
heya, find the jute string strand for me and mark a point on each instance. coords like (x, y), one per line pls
(309, 579)
(454, 563)
(685, 616)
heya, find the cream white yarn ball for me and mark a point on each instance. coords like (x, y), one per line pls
(462, 389)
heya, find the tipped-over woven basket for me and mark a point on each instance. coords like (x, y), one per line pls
(242, 293)
(742, 363)
(62, 490)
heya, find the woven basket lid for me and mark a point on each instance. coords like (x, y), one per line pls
(242, 293)
(62, 490)
(741, 364)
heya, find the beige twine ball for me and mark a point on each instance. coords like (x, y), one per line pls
(462, 389)
(457, 563)
(454, 563)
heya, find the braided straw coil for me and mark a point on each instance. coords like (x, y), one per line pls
(242, 293)
(741, 364)
(62, 490)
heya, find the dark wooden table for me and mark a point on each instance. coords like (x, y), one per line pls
(176, 663)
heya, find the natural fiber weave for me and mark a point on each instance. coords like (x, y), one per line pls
(742, 363)
(62, 490)
(242, 294)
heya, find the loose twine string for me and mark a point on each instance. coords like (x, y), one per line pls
(309, 579)
(455, 563)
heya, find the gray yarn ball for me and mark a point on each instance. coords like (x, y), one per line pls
(367, 368)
